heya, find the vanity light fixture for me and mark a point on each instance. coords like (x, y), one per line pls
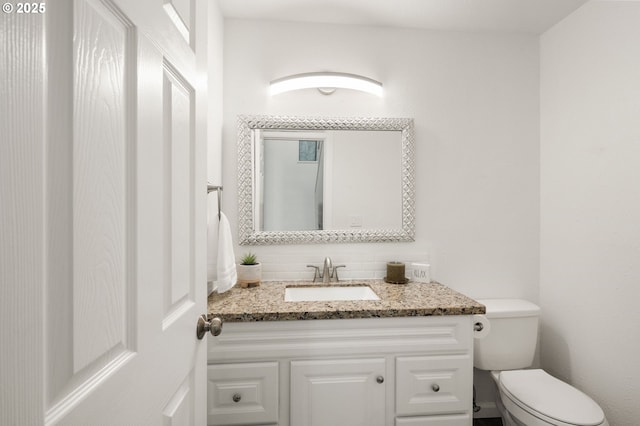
(326, 83)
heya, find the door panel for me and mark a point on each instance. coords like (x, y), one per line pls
(91, 227)
(179, 411)
(103, 225)
(179, 133)
(180, 14)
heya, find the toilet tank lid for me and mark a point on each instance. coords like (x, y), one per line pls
(505, 308)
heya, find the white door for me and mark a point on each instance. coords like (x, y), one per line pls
(103, 213)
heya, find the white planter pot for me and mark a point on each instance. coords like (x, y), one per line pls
(249, 274)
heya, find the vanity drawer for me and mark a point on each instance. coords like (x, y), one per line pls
(244, 393)
(454, 420)
(433, 385)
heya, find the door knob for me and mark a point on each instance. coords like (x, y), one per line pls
(214, 326)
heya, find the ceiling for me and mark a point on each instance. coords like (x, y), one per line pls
(527, 16)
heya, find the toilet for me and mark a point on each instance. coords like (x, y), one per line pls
(527, 397)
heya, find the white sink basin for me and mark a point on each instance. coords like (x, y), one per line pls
(321, 293)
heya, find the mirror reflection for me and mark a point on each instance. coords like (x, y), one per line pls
(314, 180)
(328, 180)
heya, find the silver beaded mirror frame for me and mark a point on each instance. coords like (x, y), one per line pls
(248, 235)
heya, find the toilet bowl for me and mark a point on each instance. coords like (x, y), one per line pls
(527, 397)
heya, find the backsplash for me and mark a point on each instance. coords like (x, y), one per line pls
(359, 264)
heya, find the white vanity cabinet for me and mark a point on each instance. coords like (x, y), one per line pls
(373, 371)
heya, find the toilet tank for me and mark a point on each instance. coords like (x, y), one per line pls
(512, 338)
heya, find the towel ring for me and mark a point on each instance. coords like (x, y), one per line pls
(211, 188)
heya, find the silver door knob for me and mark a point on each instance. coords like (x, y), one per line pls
(203, 326)
(435, 387)
(236, 397)
(380, 379)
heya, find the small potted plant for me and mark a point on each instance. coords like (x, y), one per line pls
(249, 271)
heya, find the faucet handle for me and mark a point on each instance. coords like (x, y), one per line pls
(316, 273)
(335, 271)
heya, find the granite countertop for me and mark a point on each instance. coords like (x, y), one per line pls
(266, 302)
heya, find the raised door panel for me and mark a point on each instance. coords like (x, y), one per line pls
(179, 411)
(101, 184)
(338, 392)
(91, 190)
(433, 384)
(180, 12)
(179, 160)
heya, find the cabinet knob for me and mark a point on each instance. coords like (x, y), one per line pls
(435, 387)
(237, 397)
(380, 379)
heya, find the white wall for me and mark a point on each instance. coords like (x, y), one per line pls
(215, 49)
(474, 98)
(590, 204)
(215, 86)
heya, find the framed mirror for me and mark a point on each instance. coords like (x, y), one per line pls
(305, 180)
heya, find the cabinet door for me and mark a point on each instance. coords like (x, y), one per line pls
(338, 392)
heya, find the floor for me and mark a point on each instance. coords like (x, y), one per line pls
(487, 422)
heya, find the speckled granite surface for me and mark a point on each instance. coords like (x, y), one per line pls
(266, 302)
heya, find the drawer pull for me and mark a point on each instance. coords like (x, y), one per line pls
(435, 387)
(380, 379)
(237, 397)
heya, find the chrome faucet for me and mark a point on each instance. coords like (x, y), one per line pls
(328, 271)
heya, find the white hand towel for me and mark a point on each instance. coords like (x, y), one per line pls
(227, 275)
(212, 239)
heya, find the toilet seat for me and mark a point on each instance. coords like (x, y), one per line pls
(547, 399)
